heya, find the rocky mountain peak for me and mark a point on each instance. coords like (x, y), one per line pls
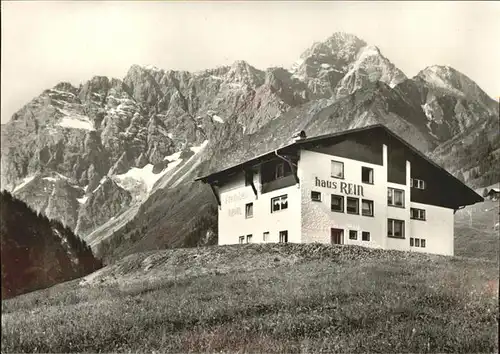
(336, 51)
(65, 86)
(244, 73)
(342, 64)
(449, 80)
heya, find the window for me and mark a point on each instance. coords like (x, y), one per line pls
(279, 203)
(417, 242)
(283, 236)
(249, 210)
(249, 238)
(417, 183)
(352, 205)
(417, 214)
(396, 228)
(411, 241)
(280, 170)
(337, 169)
(395, 197)
(316, 196)
(367, 207)
(353, 235)
(265, 236)
(337, 203)
(367, 175)
(365, 236)
(422, 243)
(242, 240)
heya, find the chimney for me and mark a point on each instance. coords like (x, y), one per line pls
(298, 136)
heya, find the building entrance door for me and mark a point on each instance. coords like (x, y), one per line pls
(337, 236)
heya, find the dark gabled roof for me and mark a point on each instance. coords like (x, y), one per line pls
(297, 143)
(301, 142)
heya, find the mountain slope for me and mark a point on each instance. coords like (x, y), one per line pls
(270, 298)
(36, 252)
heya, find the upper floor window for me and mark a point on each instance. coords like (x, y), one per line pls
(395, 228)
(249, 210)
(395, 197)
(367, 175)
(337, 169)
(279, 203)
(417, 214)
(417, 183)
(337, 203)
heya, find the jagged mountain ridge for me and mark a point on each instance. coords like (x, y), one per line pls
(154, 130)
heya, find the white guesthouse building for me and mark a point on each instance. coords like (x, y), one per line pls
(364, 187)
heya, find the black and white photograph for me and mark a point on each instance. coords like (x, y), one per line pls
(250, 176)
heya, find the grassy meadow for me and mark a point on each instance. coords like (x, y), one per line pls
(265, 298)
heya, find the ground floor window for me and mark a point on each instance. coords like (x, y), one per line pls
(242, 240)
(367, 207)
(365, 236)
(417, 242)
(316, 196)
(353, 235)
(395, 228)
(283, 236)
(249, 238)
(265, 236)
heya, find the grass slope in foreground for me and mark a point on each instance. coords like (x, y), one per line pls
(265, 298)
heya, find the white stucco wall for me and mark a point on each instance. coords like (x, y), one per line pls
(317, 217)
(310, 221)
(232, 221)
(398, 213)
(436, 230)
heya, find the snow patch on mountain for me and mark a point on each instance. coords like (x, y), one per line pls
(217, 119)
(25, 181)
(76, 122)
(135, 178)
(175, 156)
(197, 149)
(82, 200)
(145, 175)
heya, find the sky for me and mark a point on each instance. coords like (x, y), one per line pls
(44, 43)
